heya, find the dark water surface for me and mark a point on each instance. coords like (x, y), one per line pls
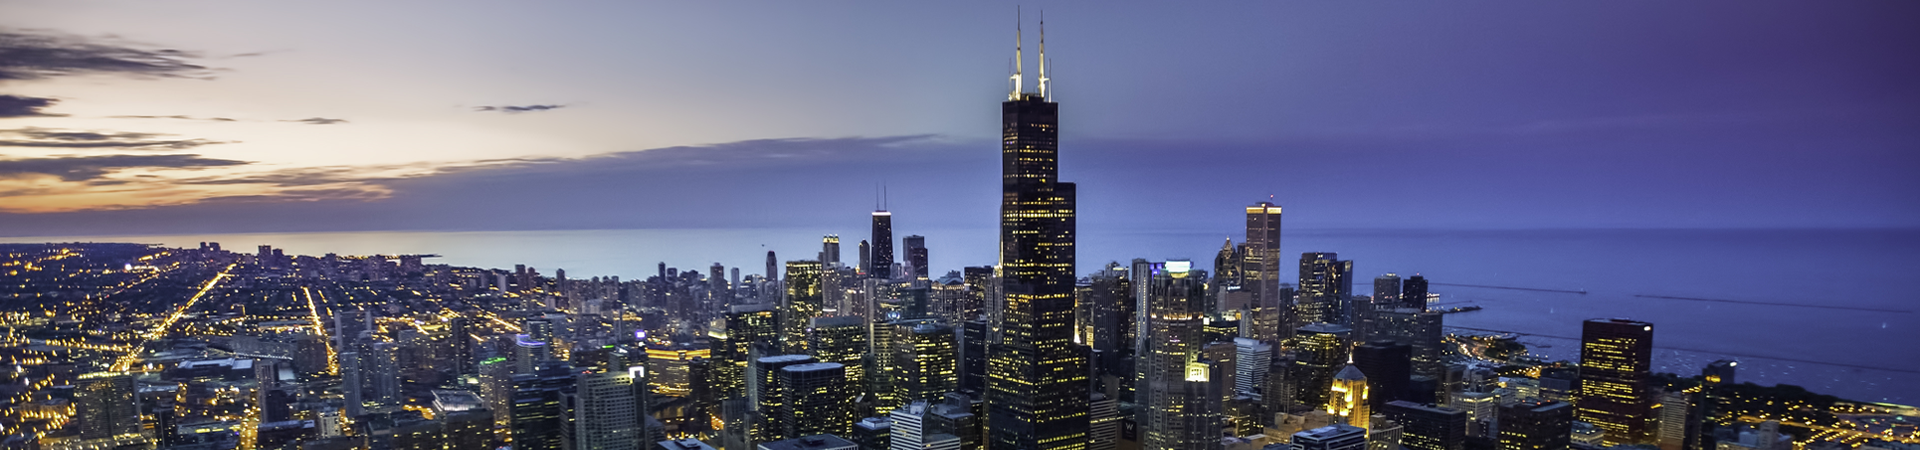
(1870, 352)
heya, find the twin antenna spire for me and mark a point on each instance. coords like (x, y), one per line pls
(1018, 78)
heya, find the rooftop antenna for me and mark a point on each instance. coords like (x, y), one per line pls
(883, 196)
(1015, 95)
(1043, 54)
(876, 196)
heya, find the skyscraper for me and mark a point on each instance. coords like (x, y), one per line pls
(1172, 390)
(1428, 427)
(803, 302)
(1388, 366)
(538, 414)
(882, 265)
(773, 267)
(1321, 353)
(1413, 294)
(1331, 437)
(769, 397)
(1535, 425)
(840, 339)
(1036, 375)
(916, 255)
(1615, 364)
(750, 331)
(925, 365)
(1386, 289)
(105, 405)
(607, 410)
(1348, 400)
(1326, 286)
(719, 295)
(1261, 269)
(819, 399)
(866, 258)
(830, 250)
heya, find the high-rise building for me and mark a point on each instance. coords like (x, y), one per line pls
(973, 355)
(1037, 378)
(1348, 401)
(916, 254)
(881, 264)
(866, 258)
(1386, 289)
(1326, 287)
(719, 295)
(105, 405)
(819, 399)
(1331, 437)
(873, 433)
(1535, 425)
(1421, 331)
(1104, 430)
(841, 339)
(802, 303)
(1425, 427)
(1615, 365)
(538, 413)
(909, 425)
(460, 345)
(924, 361)
(607, 410)
(1321, 352)
(1254, 360)
(1260, 268)
(1173, 391)
(830, 250)
(1385, 433)
(769, 396)
(1413, 294)
(773, 267)
(465, 420)
(751, 331)
(1389, 366)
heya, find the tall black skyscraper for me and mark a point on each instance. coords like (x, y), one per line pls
(882, 245)
(1326, 287)
(916, 254)
(1616, 362)
(1413, 293)
(1037, 382)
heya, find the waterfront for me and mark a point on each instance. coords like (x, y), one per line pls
(1848, 268)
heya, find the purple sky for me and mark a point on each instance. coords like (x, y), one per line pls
(199, 117)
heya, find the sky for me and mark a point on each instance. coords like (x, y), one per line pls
(232, 116)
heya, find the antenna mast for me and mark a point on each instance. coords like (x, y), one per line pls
(1043, 55)
(1015, 95)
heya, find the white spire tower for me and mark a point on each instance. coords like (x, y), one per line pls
(1017, 59)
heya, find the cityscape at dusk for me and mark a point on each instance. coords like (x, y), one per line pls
(1289, 225)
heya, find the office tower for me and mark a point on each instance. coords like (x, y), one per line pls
(538, 413)
(924, 361)
(750, 331)
(1535, 425)
(1386, 290)
(1104, 422)
(1251, 366)
(1111, 298)
(909, 425)
(1348, 400)
(1037, 380)
(973, 355)
(819, 399)
(105, 406)
(830, 250)
(1389, 367)
(1385, 434)
(1413, 294)
(843, 340)
(916, 303)
(769, 396)
(1715, 378)
(465, 420)
(1426, 427)
(866, 258)
(881, 261)
(1321, 352)
(979, 282)
(718, 293)
(1420, 330)
(1482, 408)
(460, 345)
(1615, 362)
(1261, 270)
(1676, 407)
(1326, 287)
(1331, 437)
(801, 304)
(873, 433)
(773, 267)
(529, 353)
(607, 410)
(916, 254)
(383, 371)
(1172, 389)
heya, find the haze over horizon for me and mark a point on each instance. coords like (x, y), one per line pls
(140, 119)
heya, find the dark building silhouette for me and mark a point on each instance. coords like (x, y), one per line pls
(1427, 427)
(882, 245)
(1326, 288)
(1535, 425)
(1413, 293)
(1037, 378)
(1616, 356)
(1389, 367)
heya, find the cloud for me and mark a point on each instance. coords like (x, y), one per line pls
(52, 138)
(177, 116)
(20, 106)
(519, 109)
(318, 121)
(85, 168)
(32, 56)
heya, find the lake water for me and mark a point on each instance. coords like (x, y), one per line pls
(1871, 355)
